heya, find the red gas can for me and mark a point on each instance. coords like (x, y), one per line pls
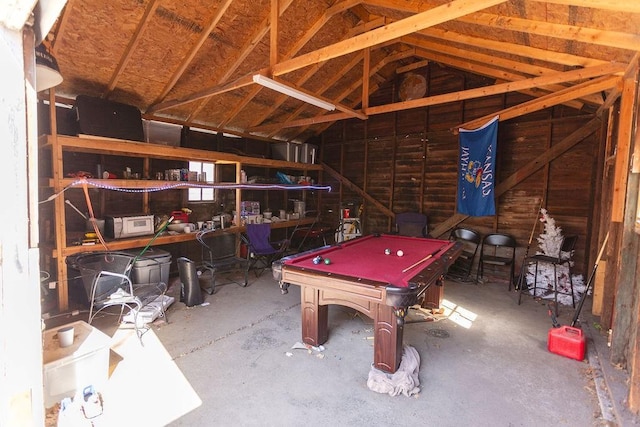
(567, 341)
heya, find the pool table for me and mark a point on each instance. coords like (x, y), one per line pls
(368, 275)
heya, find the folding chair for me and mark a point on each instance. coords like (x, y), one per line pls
(261, 250)
(471, 239)
(412, 224)
(500, 250)
(220, 257)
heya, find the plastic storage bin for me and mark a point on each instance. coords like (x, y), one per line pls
(151, 268)
(83, 363)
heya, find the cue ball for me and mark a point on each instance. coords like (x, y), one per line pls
(327, 261)
(399, 253)
(387, 251)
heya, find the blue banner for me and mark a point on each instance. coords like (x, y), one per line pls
(476, 170)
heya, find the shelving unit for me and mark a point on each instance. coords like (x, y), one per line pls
(58, 145)
(349, 226)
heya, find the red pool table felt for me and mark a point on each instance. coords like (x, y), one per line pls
(365, 258)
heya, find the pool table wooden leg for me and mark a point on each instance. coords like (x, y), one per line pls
(315, 325)
(434, 294)
(387, 338)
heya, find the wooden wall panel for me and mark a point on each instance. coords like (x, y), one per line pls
(414, 168)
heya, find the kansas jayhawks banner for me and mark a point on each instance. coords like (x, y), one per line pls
(476, 170)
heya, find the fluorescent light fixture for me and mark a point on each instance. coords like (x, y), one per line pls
(294, 93)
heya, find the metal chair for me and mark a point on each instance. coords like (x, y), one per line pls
(412, 224)
(471, 239)
(220, 257)
(564, 257)
(106, 278)
(499, 250)
(310, 236)
(261, 250)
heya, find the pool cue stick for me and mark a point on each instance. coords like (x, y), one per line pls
(416, 263)
(420, 261)
(526, 254)
(586, 290)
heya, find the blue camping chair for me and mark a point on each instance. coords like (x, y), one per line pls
(261, 250)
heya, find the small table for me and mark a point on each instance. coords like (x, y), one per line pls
(362, 276)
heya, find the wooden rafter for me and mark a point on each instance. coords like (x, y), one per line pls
(419, 6)
(315, 120)
(489, 62)
(133, 43)
(345, 69)
(560, 77)
(312, 31)
(612, 5)
(479, 68)
(593, 86)
(526, 52)
(245, 51)
(193, 51)
(314, 69)
(613, 39)
(373, 88)
(452, 10)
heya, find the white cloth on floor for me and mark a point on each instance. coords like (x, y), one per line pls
(404, 381)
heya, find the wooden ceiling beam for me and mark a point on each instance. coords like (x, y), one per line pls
(243, 81)
(193, 51)
(592, 36)
(133, 43)
(512, 48)
(524, 70)
(592, 86)
(315, 120)
(560, 77)
(627, 6)
(412, 67)
(372, 73)
(327, 84)
(435, 16)
(312, 31)
(499, 75)
(245, 51)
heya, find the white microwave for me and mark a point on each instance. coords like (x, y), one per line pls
(128, 226)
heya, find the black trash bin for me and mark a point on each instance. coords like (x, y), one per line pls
(190, 293)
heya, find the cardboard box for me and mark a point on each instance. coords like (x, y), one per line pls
(83, 363)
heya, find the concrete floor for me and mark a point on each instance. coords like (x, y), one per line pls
(483, 364)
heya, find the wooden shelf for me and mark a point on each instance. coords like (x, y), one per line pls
(117, 147)
(142, 241)
(59, 144)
